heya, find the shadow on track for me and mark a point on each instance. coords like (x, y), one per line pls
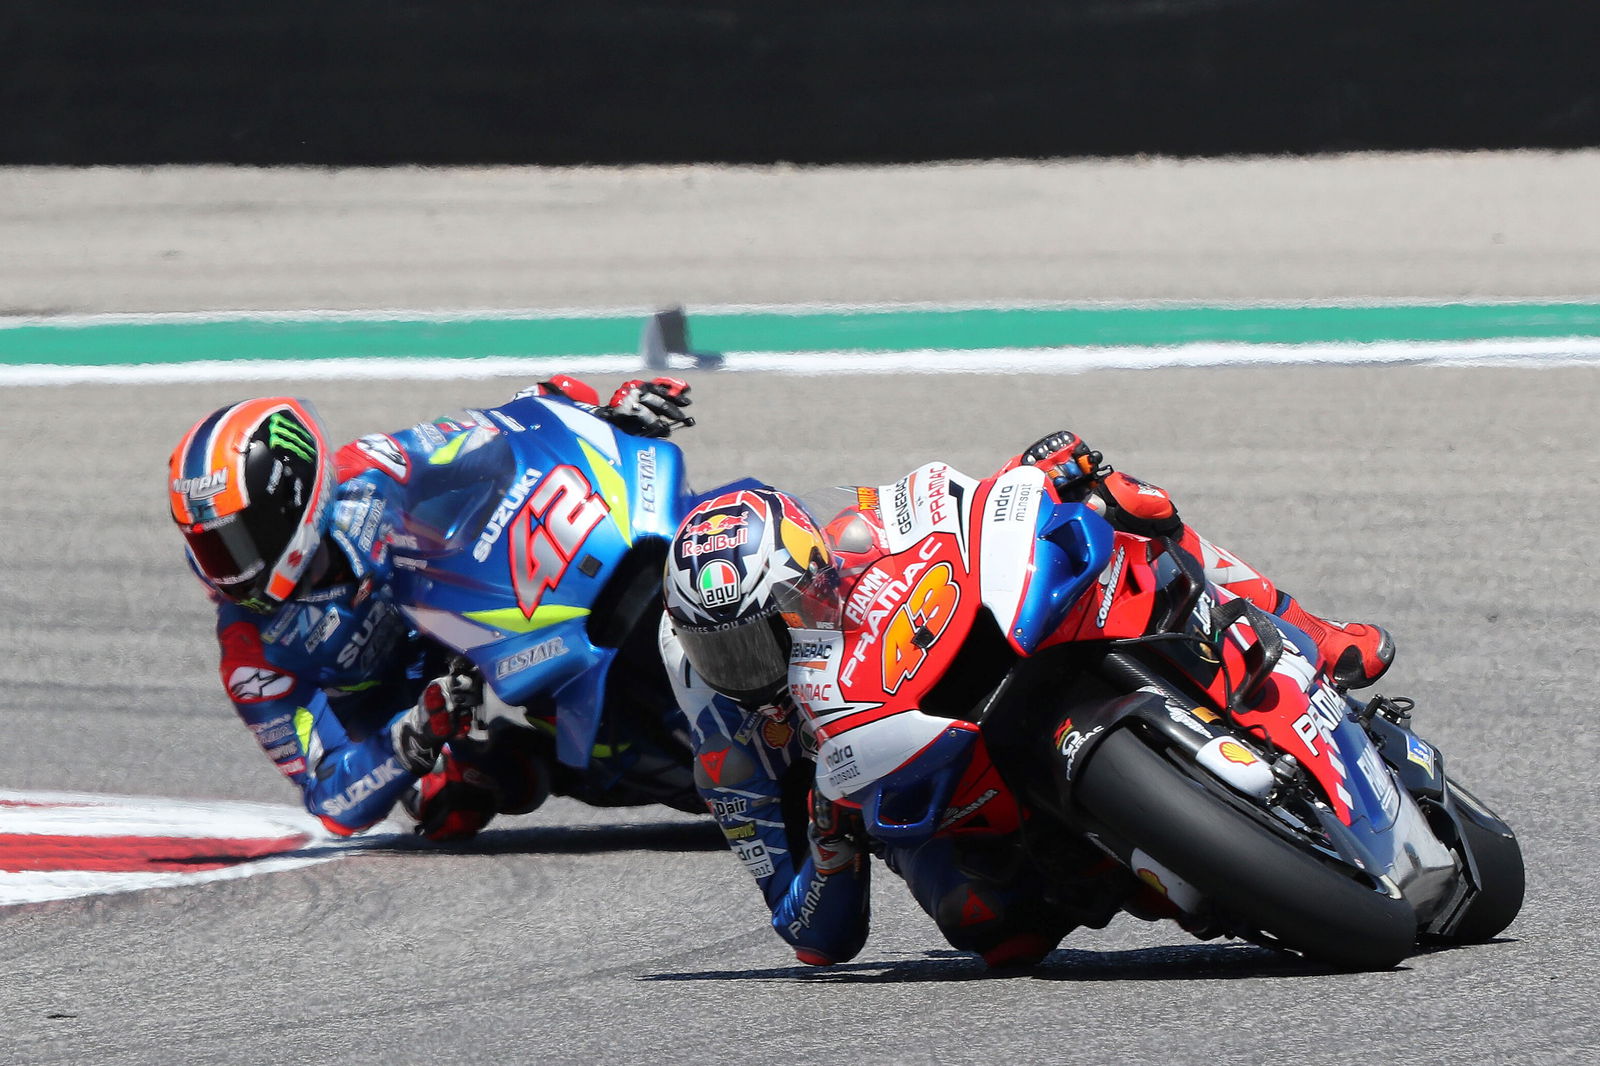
(1190, 962)
(544, 840)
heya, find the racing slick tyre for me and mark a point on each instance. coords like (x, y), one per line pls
(1255, 877)
(1501, 878)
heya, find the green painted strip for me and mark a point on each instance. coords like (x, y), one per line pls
(892, 329)
(1136, 327)
(186, 342)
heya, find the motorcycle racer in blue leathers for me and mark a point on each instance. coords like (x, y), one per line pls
(292, 541)
(754, 768)
(726, 646)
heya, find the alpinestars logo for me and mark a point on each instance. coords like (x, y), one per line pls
(382, 449)
(252, 684)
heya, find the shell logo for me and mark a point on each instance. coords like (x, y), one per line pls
(1237, 753)
(1151, 878)
(776, 734)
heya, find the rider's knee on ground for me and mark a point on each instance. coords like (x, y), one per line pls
(992, 923)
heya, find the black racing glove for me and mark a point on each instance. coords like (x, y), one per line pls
(649, 408)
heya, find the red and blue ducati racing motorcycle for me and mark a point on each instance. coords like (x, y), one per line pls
(1010, 648)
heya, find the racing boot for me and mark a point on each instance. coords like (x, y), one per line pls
(1356, 653)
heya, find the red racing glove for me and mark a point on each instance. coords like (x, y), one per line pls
(837, 836)
(443, 711)
(1068, 462)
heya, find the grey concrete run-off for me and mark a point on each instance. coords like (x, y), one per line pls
(1440, 226)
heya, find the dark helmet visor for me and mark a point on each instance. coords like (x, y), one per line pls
(747, 661)
(815, 599)
(228, 556)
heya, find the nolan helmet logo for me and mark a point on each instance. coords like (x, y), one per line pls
(203, 487)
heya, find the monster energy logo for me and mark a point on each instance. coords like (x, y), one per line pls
(284, 431)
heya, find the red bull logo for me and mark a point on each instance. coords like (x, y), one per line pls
(717, 523)
(715, 533)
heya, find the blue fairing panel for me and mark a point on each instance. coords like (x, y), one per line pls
(514, 536)
(1073, 546)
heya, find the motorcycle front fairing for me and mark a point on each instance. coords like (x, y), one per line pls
(1037, 557)
(504, 563)
(1034, 558)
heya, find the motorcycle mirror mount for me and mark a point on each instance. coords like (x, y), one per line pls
(1260, 658)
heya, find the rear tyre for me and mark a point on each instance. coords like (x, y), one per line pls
(1255, 877)
(1501, 876)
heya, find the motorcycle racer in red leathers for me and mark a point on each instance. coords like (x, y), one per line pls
(291, 539)
(731, 587)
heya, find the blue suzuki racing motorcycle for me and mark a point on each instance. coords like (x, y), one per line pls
(541, 568)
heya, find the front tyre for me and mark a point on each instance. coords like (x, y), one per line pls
(1249, 873)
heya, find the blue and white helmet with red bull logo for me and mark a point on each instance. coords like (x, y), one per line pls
(743, 569)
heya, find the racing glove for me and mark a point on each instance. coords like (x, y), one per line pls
(649, 408)
(443, 711)
(1068, 462)
(1080, 475)
(837, 836)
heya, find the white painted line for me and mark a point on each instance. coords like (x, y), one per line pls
(90, 817)
(1508, 352)
(42, 887)
(311, 370)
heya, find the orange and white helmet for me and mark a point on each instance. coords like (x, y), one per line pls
(251, 486)
(742, 570)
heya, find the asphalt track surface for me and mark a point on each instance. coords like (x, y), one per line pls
(1456, 505)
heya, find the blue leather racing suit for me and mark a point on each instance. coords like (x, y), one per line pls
(754, 770)
(320, 680)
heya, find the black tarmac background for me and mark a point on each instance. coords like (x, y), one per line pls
(1458, 506)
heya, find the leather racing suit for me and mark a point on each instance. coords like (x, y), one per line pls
(755, 767)
(320, 681)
